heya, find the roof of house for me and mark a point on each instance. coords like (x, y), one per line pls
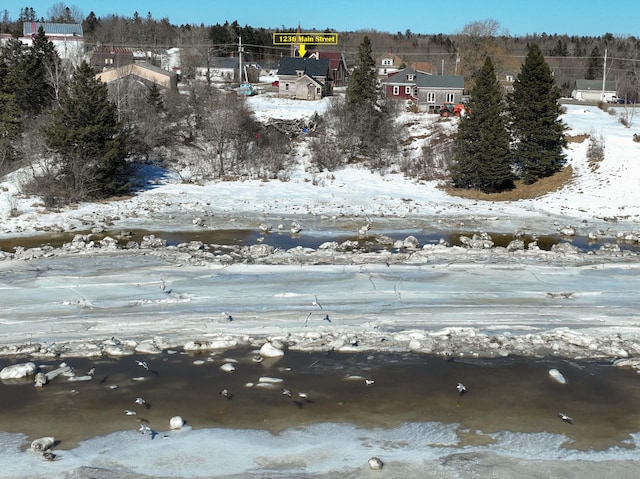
(310, 66)
(112, 49)
(424, 80)
(596, 85)
(396, 60)
(400, 77)
(31, 28)
(134, 69)
(334, 58)
(230, 63)
(424, 67)
(440, 81)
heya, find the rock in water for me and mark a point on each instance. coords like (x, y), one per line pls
(375, 463)
(18, 371)
(40, 380)
(228, 367)
(268, 350)
(557, 376)
(43, 444)
(176, 422)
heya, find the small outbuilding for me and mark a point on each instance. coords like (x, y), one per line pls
(594, 91)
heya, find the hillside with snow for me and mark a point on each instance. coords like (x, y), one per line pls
(598, 195)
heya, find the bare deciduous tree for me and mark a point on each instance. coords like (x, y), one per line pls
(478, 40)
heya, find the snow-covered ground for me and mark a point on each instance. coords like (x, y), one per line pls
(84, 293)
(432, 299)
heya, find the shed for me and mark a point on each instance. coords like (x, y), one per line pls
(593, 91)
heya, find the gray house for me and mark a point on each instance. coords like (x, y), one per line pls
(436, 90)
(304, 78)
(428, 92)
(592, 90)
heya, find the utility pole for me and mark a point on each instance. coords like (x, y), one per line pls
(240, 57)
(604, 74)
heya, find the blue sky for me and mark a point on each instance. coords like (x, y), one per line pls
(517, 17)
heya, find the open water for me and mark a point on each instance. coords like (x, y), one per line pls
(411, 416)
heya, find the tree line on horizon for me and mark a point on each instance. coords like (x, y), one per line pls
(569, 57)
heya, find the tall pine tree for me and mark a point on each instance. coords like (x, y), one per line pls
(362, 86)
(482, 159)
(536, 126)
(370, 124)
(89, 142)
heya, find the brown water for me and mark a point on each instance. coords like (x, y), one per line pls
(307, 239)
(503, 395)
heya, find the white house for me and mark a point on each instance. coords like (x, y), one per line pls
(67, 38)
(593, 90)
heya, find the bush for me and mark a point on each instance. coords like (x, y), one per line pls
(595, 151)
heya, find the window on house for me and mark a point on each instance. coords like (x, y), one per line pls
(396, 90)
(387, 61)
(411, 77)
(286, 86)
(450, 97)
(407, 90)
(431, 97)
(299, 72)
(108, 61)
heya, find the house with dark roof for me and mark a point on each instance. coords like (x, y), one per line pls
(436, 90)
(401, 85)
(105, 57)
(304, 78)
(428, 92)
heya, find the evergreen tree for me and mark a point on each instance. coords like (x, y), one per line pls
(481, 155)
(536, 126)
(42, 60)
(91, 23)
(89, 142)
(369, 130)
(27, 72)
(154, 98)
(594, 65)
(10, 118)
(362, 86)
